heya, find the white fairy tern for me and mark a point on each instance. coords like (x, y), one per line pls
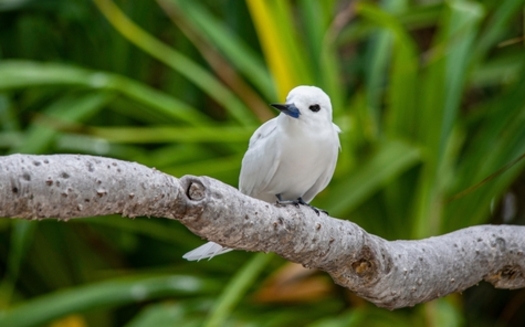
(290, 158)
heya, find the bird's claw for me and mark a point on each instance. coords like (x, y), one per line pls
(299, 202)
(317, 211)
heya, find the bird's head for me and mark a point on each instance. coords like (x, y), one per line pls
(307, 103)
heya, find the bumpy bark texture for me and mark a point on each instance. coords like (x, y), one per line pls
(391, 274)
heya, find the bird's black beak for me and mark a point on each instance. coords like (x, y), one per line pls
(289, 109)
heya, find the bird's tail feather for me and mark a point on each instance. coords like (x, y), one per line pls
(208, 250)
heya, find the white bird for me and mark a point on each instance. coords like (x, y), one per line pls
(290, 158)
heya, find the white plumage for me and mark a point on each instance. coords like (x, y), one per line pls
(291, 156)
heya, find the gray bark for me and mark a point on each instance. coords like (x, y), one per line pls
(391, 274)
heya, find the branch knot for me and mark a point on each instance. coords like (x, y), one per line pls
(196, 191)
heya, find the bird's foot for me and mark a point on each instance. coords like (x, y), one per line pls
(299, 202)
(317, 210)
(287, 202)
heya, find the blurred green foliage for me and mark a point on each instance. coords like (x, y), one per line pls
(430, 96)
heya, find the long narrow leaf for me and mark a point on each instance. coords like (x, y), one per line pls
(68, 109)
(274, 24)
(441, 96)
(238, 53)
(23, 74)
(105, 294)
(176, 60)
(391, 159)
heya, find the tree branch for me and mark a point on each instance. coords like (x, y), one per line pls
(390, 274)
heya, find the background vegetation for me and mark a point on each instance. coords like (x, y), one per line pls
(430, 96)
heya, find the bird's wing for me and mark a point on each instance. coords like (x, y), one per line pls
(325, 178)
(337, 132)
(260, 161)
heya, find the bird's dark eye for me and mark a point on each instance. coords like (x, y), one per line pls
(315, 107)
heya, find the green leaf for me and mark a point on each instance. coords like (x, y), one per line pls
(24, 74)
(164, 315)
(235, 290)
(446, 74)
(176, 60)
(158, 134)
(21, 239)
(70, 108)
(389, 161)
(110, 293)
(238, 53)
